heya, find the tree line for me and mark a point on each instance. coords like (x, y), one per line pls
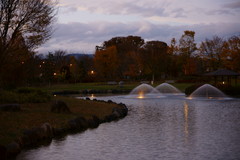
(25, 25)
(132, 58)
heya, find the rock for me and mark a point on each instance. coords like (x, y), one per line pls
(93, 122)
(32, 136)
(47, 130)
(13, 149)
(3, 152)
(59, 131)
(79, 123)
(60, 107)
(109, 101)
(10, 107)
(109, 118)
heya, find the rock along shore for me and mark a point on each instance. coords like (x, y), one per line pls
(38, 135)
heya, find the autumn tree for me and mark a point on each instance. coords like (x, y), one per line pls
(187, 47)
(126, 48)
(106, 62)
(24, 25)
(212, 51)
(231, 53)
(155, 57)
(173, 52)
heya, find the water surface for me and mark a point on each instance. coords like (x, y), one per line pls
(164, 128)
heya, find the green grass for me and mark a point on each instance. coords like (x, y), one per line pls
(87, 86)
(103, 86)
(12, 124)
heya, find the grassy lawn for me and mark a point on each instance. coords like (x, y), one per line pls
(86, 86)
(103, 86)
(12, 124)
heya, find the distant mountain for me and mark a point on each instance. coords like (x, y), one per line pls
(79, 55)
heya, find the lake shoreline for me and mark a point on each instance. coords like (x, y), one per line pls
(37, 135)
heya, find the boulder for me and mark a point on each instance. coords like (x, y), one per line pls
(47, 130)
(10, 107)
(59, 131)
(93, 122)
(3, 152)
(13, 149)
(79, 123)
(109, 101)
(32, 136)
(59, 107)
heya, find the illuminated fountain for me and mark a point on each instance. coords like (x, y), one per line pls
(144, 91)
(168, 89)
(209, 92)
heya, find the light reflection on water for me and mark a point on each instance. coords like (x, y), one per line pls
(165, 128)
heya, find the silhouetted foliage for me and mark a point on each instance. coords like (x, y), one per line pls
(24, 25)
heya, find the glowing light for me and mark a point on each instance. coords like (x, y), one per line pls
(140, 95)
(92, 72)
(186, 119)
(71, 65)
(22, 62)
(55, 95)
(223, 82)
(54, 74)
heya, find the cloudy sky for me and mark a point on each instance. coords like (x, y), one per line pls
(83, 24)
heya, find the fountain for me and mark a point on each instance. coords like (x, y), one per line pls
(166, 88)
(144, 91)
(208, 91)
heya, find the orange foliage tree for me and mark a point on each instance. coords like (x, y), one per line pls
(106, 63)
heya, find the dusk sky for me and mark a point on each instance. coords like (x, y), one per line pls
(83, 24)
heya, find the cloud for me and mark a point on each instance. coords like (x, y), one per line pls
(141, 8)
(233, 5)
(83, 37)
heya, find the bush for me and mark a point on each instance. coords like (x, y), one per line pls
(24, 95)
(8, 97)
(230, 90)
(192, 88)
(193, 79)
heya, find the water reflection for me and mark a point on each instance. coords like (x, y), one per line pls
(165, 128)
(186, 120)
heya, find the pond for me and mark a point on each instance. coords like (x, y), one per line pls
(170, 127)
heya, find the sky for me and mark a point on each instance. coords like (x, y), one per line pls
(83, 24)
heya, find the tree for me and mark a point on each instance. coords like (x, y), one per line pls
(106, 62)
(155, 57)
(48, 69)
(24, 24)
(74, 69)
(126, 47)
(187, 47)
(212, 51)
(186, 43)
(231, 53)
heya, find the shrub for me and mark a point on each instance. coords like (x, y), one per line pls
(192, 88)
(8, 97)
(24, 95)
(230, 90)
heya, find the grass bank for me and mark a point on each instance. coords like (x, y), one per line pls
(103, 86)
(12, 124)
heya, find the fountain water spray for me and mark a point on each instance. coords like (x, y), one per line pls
(166, 88)
(208, 91)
